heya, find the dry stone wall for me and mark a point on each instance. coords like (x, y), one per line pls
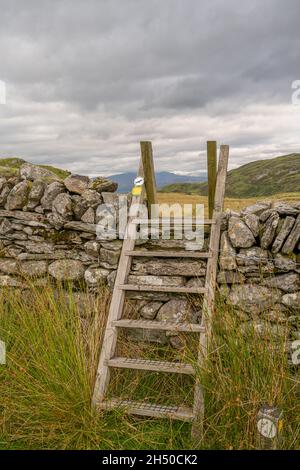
(258, 275)
(260, 266)
(48, 230)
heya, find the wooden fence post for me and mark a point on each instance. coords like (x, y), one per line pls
(211, 174)
(269, 423)
(149, 175)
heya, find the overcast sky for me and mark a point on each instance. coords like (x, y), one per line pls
(86, 80)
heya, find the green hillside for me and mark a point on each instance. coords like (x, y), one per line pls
(10, 167)
(259, 178)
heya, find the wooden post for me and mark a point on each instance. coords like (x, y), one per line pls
(211, 174)
(149, 175)
(210, 287)
(269, 423)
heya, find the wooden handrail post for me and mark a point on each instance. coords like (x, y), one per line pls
(149, 175)
(211, 174)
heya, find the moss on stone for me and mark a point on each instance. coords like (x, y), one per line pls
(57, 171)
(11, 166)
(58, 236)
(13, 162)
(8, 172)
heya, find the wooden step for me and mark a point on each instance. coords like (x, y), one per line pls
(168, 254)
(178, 290)
(148, 409)
(159, 325)
(146, 364)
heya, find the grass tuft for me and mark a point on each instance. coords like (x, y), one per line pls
(52, 353)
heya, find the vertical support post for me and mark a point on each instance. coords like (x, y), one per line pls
(210, 285)
(149, 175)
(269, 423)
(211, 174)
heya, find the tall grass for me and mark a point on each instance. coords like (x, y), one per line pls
(52, 353)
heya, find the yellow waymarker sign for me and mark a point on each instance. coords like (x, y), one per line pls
(137, 190)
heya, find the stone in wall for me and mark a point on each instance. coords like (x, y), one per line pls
(227, 259)
(76, 183)
(253, 298)
(284, 231)
(293, 238)
(96, 276)
(150, 309)
(66, 270)
(169, 267)
(239, 233)
(18, 196)
(252, 221)
(269, 230)
(51, 191)
(178, 311)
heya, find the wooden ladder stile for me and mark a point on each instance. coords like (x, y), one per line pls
(107, 359)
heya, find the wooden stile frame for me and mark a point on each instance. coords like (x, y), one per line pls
(106, 360)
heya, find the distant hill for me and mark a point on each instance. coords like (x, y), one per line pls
(125, 180)
(259, 178)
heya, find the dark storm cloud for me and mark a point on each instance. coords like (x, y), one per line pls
(86, 80)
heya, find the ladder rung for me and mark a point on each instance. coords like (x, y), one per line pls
(168, 254)
(146, 364)
(178, 290)
(148, 409)
(159, 325)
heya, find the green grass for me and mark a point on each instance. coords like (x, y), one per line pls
(255, 179)
(52, 354)
(13, 162)
(63, 174)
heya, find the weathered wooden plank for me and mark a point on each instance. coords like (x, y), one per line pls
(155, 366)
(178, 290)
(211, 173)
(159, 325)
(148, 409)
(149, 175)
(167, 254)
